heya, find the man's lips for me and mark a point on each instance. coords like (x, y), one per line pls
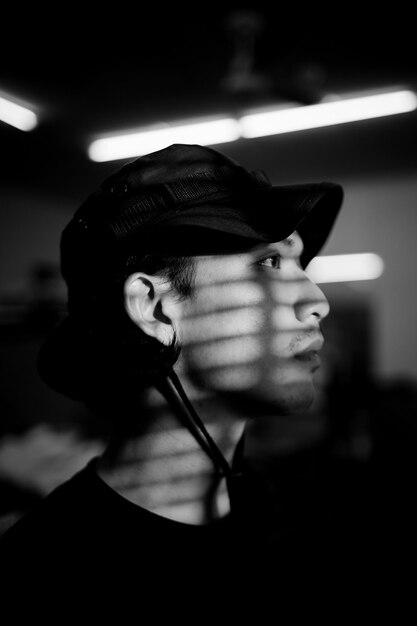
(310, 353)
(313, 346)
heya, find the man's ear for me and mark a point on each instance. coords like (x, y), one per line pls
(151, 305)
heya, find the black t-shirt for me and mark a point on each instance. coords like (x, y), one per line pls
(86, 542)
(86, 548)
(84, 517)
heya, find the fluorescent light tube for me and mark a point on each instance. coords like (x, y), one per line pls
(275, 122)
(17, 115)
(205, 132)
(345, 268)
(258, 123)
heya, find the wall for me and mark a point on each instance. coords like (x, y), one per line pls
(380, 215)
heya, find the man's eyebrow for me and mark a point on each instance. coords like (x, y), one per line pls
(289, 243)
(266, 248)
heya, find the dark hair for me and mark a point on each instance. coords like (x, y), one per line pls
(179, 271)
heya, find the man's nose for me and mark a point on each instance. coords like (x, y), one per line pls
(312, 303)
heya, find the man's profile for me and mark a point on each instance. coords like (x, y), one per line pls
(189, 313)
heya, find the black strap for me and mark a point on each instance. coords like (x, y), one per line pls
(172, 388)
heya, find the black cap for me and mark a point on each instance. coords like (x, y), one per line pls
(185, 200)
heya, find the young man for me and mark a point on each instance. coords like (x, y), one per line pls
(189, 313)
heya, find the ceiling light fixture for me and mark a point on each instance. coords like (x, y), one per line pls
(205, 132)
(275, 122)
(16, 114)
(256, 123)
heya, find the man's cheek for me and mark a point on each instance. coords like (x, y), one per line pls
(218, 326)
(225, 352)
(239, 361)
(225, 363)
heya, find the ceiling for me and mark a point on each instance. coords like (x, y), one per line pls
(88, 76)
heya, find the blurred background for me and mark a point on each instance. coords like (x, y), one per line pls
(88, 77)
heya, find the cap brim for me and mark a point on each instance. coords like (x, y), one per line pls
(269, 215)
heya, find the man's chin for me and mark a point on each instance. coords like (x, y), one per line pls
(290, 389)
(289, 399)
(245, 387)
(295, 405)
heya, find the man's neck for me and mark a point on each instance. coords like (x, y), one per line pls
(165, 470)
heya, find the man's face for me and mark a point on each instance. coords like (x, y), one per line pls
(253, 326)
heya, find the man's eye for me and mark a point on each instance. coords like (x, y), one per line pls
(273, 261)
